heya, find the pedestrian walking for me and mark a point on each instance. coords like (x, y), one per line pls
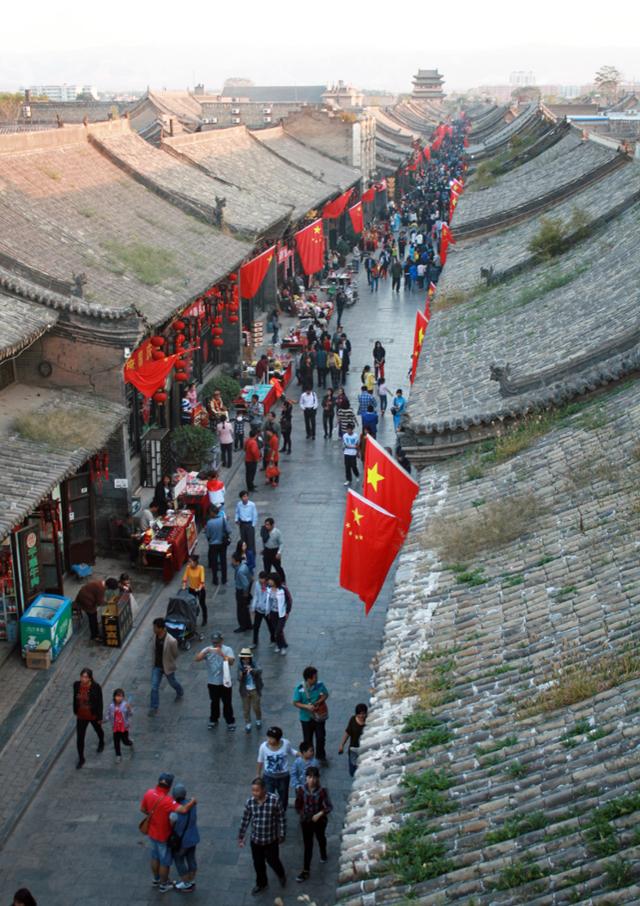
(285, 426)
(367, 379)
(220, 659)
(335, 368)
(119, 714)
(164, 651)
(225, 432)
(341, 301)
(314, 807)
(346, 415)
(272, 470)
(246, 520)
(243, 592)
(252, 456)
(193, 579)
(90, 597)
(328, 412)
(379, 357)
(217, 534)
(216, 489)
(370, 421)
(260, 608)
(279, 599)
(396, 273)
(309, 406)
(265, 815)
(365, 399)
(273, 547)
(157, 805)
(255, 411)
(310, 697)
(274, 764)
(250, 688)
(383, 393)
(350, 442)
(88, 709)
(397, 408)
(184, 838)
(306, 759)
(321, 366)
(353, 732)
(239, 423)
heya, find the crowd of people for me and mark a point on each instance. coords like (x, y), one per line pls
(408, 248)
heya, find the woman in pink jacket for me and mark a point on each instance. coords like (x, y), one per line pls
(224, 430)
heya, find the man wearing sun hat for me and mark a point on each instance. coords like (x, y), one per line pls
(220, 658)
(250, 679)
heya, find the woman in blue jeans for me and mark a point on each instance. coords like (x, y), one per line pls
(274, 764)
(186, 828)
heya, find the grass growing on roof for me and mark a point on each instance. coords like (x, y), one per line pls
(61, 426)
(413, 854)
(149, 264)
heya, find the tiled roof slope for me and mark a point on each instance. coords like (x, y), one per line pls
(508, 251)
(235, 156)
(526, 120)
(502, 804)
(490, 121)
(29, 470)
(22, 324)
(65, 208)
(318, 165)
(546, 317)
(244, 212)
(564, 168)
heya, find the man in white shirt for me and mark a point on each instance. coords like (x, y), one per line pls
(350, 442)
(309, 406)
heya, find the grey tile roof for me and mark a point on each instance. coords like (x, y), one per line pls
(516, 815)
(526, 119)
(508, 250)
(318, 165)
(66, 208)
(30, 470)
(22, 323)
(488, 122)
(244, 212)
(298, 94)
(550, 315)
(236, 157)
(565, 167)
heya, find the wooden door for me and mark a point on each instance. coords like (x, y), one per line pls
(78, 518)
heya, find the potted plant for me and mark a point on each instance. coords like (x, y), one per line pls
(192, 446)
(229, 388)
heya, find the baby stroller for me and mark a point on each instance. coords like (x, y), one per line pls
(181, 618)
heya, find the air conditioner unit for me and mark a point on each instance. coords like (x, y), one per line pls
(267, 119)
(210, 120)
(235, 120)
(267, 110)
(235, 111)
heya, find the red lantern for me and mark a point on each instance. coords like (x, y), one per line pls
(178, 325)
(182, 376)
(218, 341)
(157, 341)
(233, 277)
(180, 339)
(160, 397)
(233, 319)
(157, 354)
(216, 331)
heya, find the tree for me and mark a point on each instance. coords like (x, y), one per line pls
(10, 106)
(525, 94)
(607, 81)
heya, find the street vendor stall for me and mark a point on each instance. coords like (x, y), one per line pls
(169, 541)
(191, 494)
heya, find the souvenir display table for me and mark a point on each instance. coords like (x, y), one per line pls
(191, 494)
(279, 368)
(169, 541)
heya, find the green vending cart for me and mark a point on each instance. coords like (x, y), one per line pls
(48, 619)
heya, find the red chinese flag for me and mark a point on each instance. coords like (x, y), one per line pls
(387, 483)
(371, 538)
(357, 220)
(427, 152)
(446, 239)
(253, 273)
(369, 195)
(427, 308)
(310, 245)
(150, 376)
(333, 209)
(418, 340)
(277, 386)
(432, 290)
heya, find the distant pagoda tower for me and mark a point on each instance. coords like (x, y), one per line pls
(427, 85)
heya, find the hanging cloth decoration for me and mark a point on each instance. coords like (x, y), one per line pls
(357, 221)
(151, 375)
(310, 245)
(334, 209)
(369, 195)
(253, 273)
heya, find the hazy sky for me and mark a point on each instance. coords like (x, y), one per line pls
(136, 43)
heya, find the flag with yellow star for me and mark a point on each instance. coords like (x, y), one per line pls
(253, 273)
(418, 340)
(310, 246)
(334, 209)
(371, 538)
(386, 483)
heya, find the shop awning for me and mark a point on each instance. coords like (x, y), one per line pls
(59, 431)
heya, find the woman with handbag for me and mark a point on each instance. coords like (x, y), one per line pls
(183, 841)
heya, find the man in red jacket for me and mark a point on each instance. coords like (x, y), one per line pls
(252, 456)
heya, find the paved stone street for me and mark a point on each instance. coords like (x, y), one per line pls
(78, 841)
